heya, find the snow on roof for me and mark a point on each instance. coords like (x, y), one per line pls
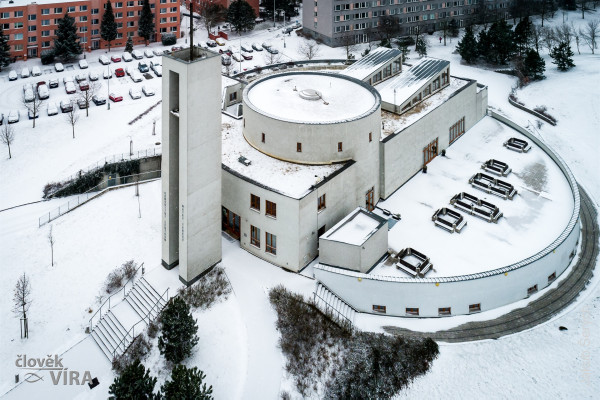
(227, 81)
(355, 228)
(290, 179)
(372, 62)
(311, 97)
(21, 3)
(401, 88)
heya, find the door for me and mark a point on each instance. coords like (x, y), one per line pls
(230, 223)
(430, 151)
(369, 203)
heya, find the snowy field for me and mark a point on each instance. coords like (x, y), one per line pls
(238, 348)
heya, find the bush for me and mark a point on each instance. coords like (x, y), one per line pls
(168, 39)
(138, 350)
(186, 383)
(134, 382)
(179, 330)
(208, 290)
(47, 57)
(117, 278)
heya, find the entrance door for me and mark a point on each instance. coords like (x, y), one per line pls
(32, 52)
(369, 201)
(230, 223)
(430, 151)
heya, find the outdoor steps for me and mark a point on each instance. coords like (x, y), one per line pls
(331, 304)
(143, 299)
(109, 334)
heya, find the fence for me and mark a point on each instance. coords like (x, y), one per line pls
(97, 190)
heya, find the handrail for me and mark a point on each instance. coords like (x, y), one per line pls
(109, 297)
(132, 329)
(339, 313)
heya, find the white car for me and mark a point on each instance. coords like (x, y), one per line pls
(104, 60)
(136, 76)
(148, 53)
(12, 76)
(52, 109)
(58, 67)
(157, 52)
(70, 88)
(129, 70)
(28, 94)
(127, 57)
(107, 73)
(148, 91)
(138, 55)
(135, 93)
(83, 64)
(156, 67)
(25, 73)
(13, 116)
(67, 79)
(93, 76)
(43, 92)
(36, 71)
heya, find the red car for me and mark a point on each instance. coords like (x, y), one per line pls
(246, 56)
(40, 83)
(115, 97)
(84, 85)
(119, 72)
(115, 59)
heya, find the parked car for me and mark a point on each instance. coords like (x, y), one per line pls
(220, 41)
(247, 56)
(129, 70)
(66, 106)
(136, 76)
(58, 67)
(28, 93)
(84, 85)
(127, 57)
(33, 113)
(40, 83)
(227, 51)
(148, 53)
(80, 77)
(143, 67)
(135, 93)
(119, 72)
(266, 45)
(52, 109)
(107, 74)
(13, 116)
(36, 71)
(272, 50)
(211, 43)
(115, 59)
(225, 59)
(70, 88)
(257, 47)
(115, 97)
(53, 83)
(67, 79)
(289, 29)
(43, 91)
(25, 73)
(156, 67)
(157, 52)
(147, 91)
(246, 48)
(176, 48)
(82, 103)
(12, 76)
(237, 58)
(138, 55)
(93, 76)
(104, 60)
(83, 64)
(98, 99)
(296, 25)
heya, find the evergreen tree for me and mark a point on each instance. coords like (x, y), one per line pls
(178, 331)
(562, 56)
(523, 35)
(146, 23)
(108, 26)
(129, 45)
(4, 49)
(453, 28)
(501, 42)
(421, 47)
(467, 47)
(570, 5)
(186, 384)
(484, 46)
(134, 382)
(241, 16)
(66, 43)
(534, 65)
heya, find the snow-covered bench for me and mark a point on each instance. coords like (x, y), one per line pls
(449, 220)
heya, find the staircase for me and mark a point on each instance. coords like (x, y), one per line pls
(329, 303)
(114, 335)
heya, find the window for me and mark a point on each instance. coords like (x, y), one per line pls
(5, 27)
(130, 4)
(31, 39)
(45, 44)
(263, 138)
(271, 243)
(233, 96)
(163, 10)
(321, 205)
(299, 147)
(45, 33)
(130, 34)
(369, 203)
(430, 151)
(58, 10)
(83, 39)
(532, 290)
(18, 47)
(552, 277)
(473, 308)
(255, 202)
(95, 21)
(31, 17)
(173, 9)
(379, 309)
(71, 9)
(254, 236)
(119, 4)
(130, 24)
(173, 29)
(45, 11)
(95, 32)
(82, 8)
(95, 11)
(32, 28)
(18, 13)
(370, 137)
(130, 13)
(339, 147)
(119, 15)
(173, 19)
(457, 129)
(163, 20)
(120, 25)
(83, 18)
(444, 311)
(18, 25)
(45, 22)
(83, 29)
(412, 311)
(18, 36)
(271, 209)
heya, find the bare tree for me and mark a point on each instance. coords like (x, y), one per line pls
(590, 34)
(72, 117)
(7, 136)
(211, 14)
(549, 38)
(536, 37)
(271, 58)
(33, 106)
(51, 240)
(389, 26)
(583, 5)
(576, 35)
(309, 49)
(563, 33)
(347, 41)
(22, 301)
(86, 95)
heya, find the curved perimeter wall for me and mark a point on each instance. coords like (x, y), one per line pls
(489, 289)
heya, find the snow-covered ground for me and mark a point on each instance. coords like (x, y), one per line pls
(238, 350)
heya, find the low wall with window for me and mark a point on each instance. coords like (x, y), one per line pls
(468, 293)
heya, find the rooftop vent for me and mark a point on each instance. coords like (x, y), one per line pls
(244, 161)
(310, 94)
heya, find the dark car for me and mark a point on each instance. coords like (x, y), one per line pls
(53, 83)
(98, 100)
(143, 67)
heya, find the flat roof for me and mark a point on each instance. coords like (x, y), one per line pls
(532, 220)
(290, 179)
(356, 228)
(372, 62)
(312, 97)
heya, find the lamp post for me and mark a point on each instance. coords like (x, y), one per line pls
(273, 13)
(108, 84)
(130, 145)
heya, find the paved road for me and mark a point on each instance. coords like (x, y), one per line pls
(540, 310)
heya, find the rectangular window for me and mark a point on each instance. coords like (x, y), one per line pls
(120, 25)
(299, 147)
(71, 9)
(58, 10)
(271, 209)
(95, 21)
(45, 33)
(18, 14)
(473, 308)
(271, 243)
(321, 204)
(173, 19)
(233, 96)
(32, 28)
(457, 129)
(370, 136)
(95, 11)
(119, 4)
(163, 10)
(18, 36)
(263, 138)
(379, 309)
(173, 29)
(83, 29)
(130, 4)
(18, 25)
(45, 22)
(412, 311)
(31, 17)
(31, 39)
(18, 47)
(130, 14)
(95, 32)
(254, 236)
(130, 24)
(444, 311)
(339, 146)
(5, 15)
(45, 11)
(83, 18)
(82, 8)
(163, 20)
(552, 277)
(369, 200)
(532, 290)
(255, 202)
(119, 15)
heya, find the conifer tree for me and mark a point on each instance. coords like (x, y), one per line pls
(129, 45)
(421, 47)
(134, 382)
(146, 24)
(534, 65)
(241, 15)
(108, 26)
(453, 28)
(562, 56)
(484, 46)
(467, 47)
(186, 384)
(178, 331)
(66, 43)
(523, 35)
(501, 42)
(4, 49)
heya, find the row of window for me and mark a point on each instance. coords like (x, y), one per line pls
(270, 240)
(270, 207)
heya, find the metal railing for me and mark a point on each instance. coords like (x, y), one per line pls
(333, 312)
(96, 191)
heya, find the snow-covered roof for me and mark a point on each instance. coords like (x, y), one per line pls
(401, 88)
(290, 179)
(372, 62)
(356, 228)
(311, 97)
(227, 81)
(21, 3)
